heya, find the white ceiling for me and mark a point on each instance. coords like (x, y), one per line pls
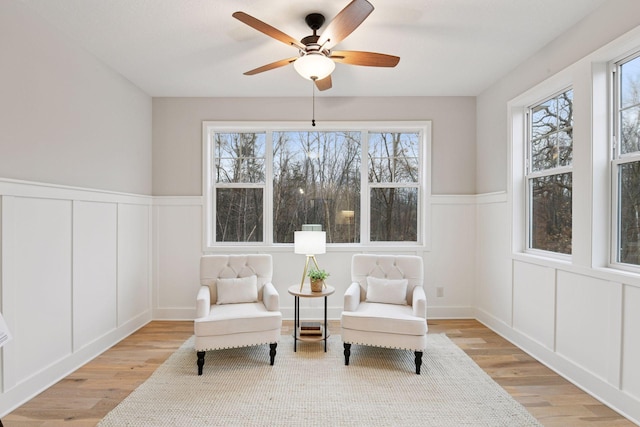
(196, 48)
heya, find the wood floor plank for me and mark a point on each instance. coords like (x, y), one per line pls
(84, 397)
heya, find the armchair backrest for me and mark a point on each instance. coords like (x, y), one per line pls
(213, 267)
(387, 267)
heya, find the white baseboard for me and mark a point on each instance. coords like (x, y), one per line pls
(577, 375)
(36, 384)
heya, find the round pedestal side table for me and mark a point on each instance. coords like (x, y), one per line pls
(298, 333)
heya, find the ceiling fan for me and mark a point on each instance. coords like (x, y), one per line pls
(316, 60)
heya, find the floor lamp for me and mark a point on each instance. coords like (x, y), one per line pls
(309, 243)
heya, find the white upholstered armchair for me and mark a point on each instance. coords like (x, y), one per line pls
(385, 306)
(237, 305)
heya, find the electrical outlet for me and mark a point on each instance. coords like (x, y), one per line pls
(440, 292)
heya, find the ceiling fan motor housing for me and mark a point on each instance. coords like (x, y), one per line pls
(314, 21)
(310, 40)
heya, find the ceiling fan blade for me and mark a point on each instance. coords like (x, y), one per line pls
(271, 66)
(324, 84)
(345, 22)
(267, 29)
(371, 59)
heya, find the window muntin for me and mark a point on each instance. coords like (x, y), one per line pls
(280, 178)
(626, 163)
(549, 174)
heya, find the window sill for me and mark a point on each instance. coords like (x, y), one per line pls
(331, 248)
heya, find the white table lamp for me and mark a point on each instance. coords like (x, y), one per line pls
(309, 243)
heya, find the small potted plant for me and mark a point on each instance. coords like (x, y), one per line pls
(317, 279)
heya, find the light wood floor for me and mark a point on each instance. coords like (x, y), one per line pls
(88, 394)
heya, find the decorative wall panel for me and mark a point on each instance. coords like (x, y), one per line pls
(36, 285)
(534, 302)
(94, 271)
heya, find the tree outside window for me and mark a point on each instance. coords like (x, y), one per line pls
(394, 160)
(627, 162)
(549, 174)
(316, 180)
(239, 176)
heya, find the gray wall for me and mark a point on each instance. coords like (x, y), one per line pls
(65, 118)
(177, 132)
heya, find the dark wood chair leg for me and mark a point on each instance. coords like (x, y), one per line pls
(272, 352)
(200, 361)
(418, 361)
(347, 353)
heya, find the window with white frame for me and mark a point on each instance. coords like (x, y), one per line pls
(626, 161)
(364, 184)
(240, 183)
(549, 174)
(393, 170)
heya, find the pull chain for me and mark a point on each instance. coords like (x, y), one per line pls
(313, 101)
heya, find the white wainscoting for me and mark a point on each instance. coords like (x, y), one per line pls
(587, 339)
(177, 230)
(493, 284)
(630, 380)
(449, 263)
(534, 296)
(81, 269)
(75, 279)
(94, 250)
(583, 323)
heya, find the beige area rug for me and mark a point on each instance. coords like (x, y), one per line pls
(310, 387)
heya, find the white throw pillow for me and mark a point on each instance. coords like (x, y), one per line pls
(386, 290)
(237, 290)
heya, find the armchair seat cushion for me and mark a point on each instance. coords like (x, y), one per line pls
(387, 318)
(230, 319)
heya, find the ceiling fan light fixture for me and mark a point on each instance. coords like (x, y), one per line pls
(314, 66)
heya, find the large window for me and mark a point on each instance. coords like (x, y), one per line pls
(549, 174)
(363, 186)
(626, 161)
(316, 180)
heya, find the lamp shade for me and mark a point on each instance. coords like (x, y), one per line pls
(310, 242)
(314, 66)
